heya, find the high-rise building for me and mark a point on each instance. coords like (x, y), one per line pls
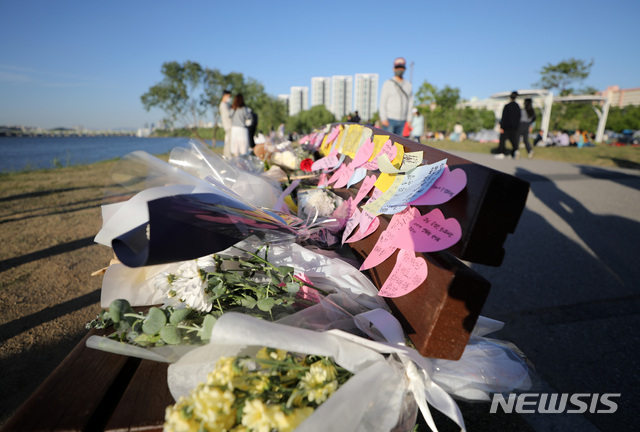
(342, 98)
(366, 95)
(321, 92)
(299, 100)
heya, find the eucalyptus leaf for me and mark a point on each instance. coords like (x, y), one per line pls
(156, 319)
(266, 304)
(170, 334)
(179, 315)
(207, 327)
(118, 308)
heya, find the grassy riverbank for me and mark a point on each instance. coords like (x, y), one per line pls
(48, 219)
(601, 155)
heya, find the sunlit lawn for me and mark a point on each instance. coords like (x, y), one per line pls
(600, 155)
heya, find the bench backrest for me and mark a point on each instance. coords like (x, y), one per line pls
(440, 314)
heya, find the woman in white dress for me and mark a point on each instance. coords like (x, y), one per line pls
(240, 120)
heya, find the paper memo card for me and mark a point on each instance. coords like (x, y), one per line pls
(345, 175)
(388, 148)
(373, 226)
(383, 248)
(380, 253)
(428, 233)
(326, 163)
(332, 135)
(364, 153)
(352, 140)
(409, 162)
(339, 141)
(365, 187)
(378, 142)
(416, 183)
(408, 274)
(357, 176)
(448, 185)
(351, 224)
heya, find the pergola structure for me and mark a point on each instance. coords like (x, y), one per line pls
(544, 100)
(602, 114)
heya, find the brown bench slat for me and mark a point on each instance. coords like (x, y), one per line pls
(78, 394)
(143, 404)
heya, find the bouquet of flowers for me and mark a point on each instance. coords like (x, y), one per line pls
(284, 283)
(275, 390)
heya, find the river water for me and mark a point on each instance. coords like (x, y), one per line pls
(31, 153)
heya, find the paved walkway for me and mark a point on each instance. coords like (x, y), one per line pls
(569, 287)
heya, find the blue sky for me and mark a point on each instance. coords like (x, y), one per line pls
(87, 63)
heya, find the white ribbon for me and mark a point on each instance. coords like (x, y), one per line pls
(383, 327)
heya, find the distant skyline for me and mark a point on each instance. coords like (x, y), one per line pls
(79, 63)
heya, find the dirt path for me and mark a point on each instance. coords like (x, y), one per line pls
(47, 223)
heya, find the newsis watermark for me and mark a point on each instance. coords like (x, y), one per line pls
(555, 403)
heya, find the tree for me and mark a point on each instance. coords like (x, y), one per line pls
(306, 121)
(188, 91)
(448, 97)
(563, 75)
(426, 94)
(179, 94)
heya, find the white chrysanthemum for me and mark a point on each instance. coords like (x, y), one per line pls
(185, 287)
(321, 201)
(286, 159)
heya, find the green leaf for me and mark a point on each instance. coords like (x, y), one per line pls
(156, 319)
(179, 315)
(286, 270)
(122, 325)
(170, 334)
(248, 302)
(118, 308)
(207, 327)
(266, 304)
(292, 287)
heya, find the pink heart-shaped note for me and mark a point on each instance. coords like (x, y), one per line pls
(448, 185)
(389, 149)
(359, 235)
(345, 175)
(380, 252)
(408, 274)
(337, 174)
(364, 153)
(428, 233)
(325, 163)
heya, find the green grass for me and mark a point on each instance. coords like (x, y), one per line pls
(601, 155)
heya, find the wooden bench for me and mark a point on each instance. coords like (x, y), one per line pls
(93, 390)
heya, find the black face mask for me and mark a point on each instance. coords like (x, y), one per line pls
(398, 72)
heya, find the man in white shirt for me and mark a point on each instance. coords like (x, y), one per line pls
(396, 100)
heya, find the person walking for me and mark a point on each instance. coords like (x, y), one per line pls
(240, 121)
(225, 119)
(396, 100)
(527, 117)
(417, 125)
(509, 123)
